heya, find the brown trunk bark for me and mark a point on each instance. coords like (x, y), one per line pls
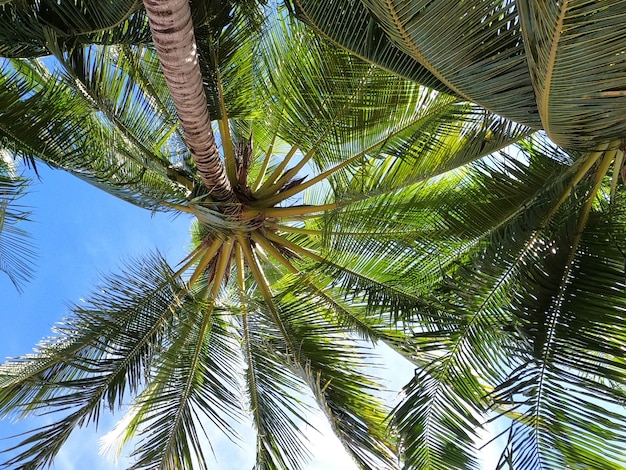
(173, 35)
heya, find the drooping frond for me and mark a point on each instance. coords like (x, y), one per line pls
(192, 383)
(357, 29)
(103, 351)
(334, 367)
(31, 29)
(483, 61)
(575, 59)
(567, 388)
(518, 269)
(275, 395)
(27, 29)
(16, 250)
(552, 65)
(68, 130)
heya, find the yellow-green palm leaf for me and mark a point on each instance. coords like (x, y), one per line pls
(576, 58)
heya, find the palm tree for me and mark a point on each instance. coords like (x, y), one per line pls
(305, 245)
(531, 248)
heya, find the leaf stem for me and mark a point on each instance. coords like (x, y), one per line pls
(293, 246)
(264, 166)
(273, 251)
(224, 127)
(291, 211)
(279, 197)
(268, 185)
(209, 254)
(266, 291)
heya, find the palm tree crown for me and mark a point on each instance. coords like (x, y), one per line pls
(337, 205)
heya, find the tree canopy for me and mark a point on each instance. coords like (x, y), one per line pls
(548, 269)
(365, 208)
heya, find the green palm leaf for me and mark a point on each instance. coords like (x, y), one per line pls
(192, 382)
(552, 65)
(334, 369)
(275, 394)
(16, 250)
(523, 316)
(27, 27)
(483, 61)
(66, 131)
(568, 385)
(357, 30)
(99, 354)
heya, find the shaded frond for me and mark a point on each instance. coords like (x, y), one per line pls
(16, 250)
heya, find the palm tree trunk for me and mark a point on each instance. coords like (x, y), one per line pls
(173, 35)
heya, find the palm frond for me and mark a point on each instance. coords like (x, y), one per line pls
(328, 107)
(579, 101)
(190, 384)
(438, 419)
(26, 26)
(521, 315)
(102, 352)
(352, 26)
(334, 367)
(568, 387)
(483, 61)
(66, 130)
(16, 249)
(275, 398)
(557, 66)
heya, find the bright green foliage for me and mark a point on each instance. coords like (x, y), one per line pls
(372, 209)
(326, 154)
(526, 252)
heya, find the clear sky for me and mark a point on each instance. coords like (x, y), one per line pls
(80, 234)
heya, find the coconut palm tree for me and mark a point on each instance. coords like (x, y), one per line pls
(305, 246)
(531, 249)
